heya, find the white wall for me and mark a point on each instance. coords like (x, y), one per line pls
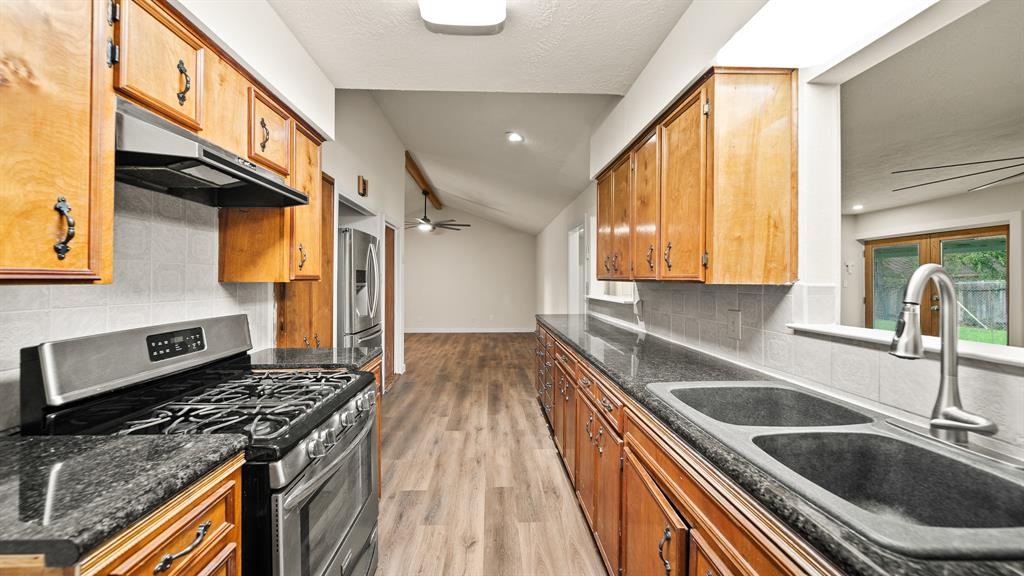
(685, 54)
(553, 253)
(256, 36)
(995, 206)
(165, 270)
(481, 279)
(367, 145)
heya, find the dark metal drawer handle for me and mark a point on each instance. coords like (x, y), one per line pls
(661, 551)
(302, 256)
(266, 135)
(316, 338)
(169, 559)
(607, 405)
(589, 422)
(585, 381)
(188, 82)
(668, 255)
(650, 257)
(305, 341)
(62, 247)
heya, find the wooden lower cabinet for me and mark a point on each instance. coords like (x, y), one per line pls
(205, 520)
(558, 408)
(654, 505)
(653, 534)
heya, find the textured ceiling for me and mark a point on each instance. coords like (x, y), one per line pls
(560, 46)
(457, 138)
(955, 97)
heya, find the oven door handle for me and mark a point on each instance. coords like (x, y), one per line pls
(305, 490)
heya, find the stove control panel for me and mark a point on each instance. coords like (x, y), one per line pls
(177, 343)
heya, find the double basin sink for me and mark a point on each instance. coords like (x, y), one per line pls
(910, 494)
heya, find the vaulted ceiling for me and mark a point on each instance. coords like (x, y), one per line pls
(955, 97)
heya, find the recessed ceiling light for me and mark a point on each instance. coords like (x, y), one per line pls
(514, 136)
(858, 206)
(463, 17)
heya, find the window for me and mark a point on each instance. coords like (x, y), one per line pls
(977, 259)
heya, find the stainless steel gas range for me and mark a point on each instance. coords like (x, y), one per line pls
(310, 479)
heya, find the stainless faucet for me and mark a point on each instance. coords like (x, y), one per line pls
(950, 422)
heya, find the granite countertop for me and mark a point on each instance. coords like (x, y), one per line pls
(62, 496)
(351, 358)
(632, 361)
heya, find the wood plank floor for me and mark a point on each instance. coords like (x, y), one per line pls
(472, 483)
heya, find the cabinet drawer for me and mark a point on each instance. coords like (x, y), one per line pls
(185, 540)
(609, 406)
(566, 359)
(587, 382)
(270, 133)
(224, 562)
(160, 64)
(702, 561)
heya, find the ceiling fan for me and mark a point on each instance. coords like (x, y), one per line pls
(427, 225)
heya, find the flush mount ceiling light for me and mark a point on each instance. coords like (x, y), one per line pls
(514, 137)
(463, 17)
(858, 206)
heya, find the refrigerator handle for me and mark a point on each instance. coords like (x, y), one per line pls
(376, 279)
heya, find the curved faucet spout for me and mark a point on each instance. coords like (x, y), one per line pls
(949, 420)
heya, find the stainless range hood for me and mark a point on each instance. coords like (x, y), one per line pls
(156, 154)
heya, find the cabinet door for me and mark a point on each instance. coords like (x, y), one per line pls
(52, 157)
(569, 444)
(558, 409)
(653, 534)
(604, 226)
(645, 209)
(270, 133)
(703, 562)
(621, 263)
(323, 289)
(160, 63)
(586, 457)
(225, 118)
(305, 220)
(683, 190)
(609, 492)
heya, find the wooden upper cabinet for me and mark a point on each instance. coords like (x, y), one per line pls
(683, 181)
(620, 263)
(653, 534)
(270, 133)
(160, 63)
(604, 226)
(752, 236)
(56, 115)
(226, 117)
(306, 220)
(645, 209)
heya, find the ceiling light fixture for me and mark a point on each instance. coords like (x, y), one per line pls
(858, 206)
(514, 137)
(464, 17)
(425, 226)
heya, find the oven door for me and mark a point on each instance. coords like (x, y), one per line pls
(325, 521)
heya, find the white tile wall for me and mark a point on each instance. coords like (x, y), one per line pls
(693, 314)
(165, 270)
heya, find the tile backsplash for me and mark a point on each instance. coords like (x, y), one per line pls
(696, 316)
(165, 270)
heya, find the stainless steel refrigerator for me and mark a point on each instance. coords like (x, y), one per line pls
(359, 289)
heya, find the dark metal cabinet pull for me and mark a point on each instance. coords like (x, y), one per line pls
(305, 341)
(668, 255)
(266, 135)
(585, 381)
(597, 441)
(166, 561)
(606, 267)
(316, 338)
(607, 405)
(302, 256)
(661, 550)
(62, 247)
(650, 257)
(589, 422)
(188, 82)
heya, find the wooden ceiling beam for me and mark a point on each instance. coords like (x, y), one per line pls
(417, 175)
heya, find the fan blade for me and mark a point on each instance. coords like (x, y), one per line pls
(447, 227)
(448, 221)
(457, 224)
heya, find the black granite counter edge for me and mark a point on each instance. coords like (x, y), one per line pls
(846, 549)
(67, 551)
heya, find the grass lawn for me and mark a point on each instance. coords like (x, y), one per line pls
(966, 332)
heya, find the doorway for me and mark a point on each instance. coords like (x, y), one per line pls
(577, 270)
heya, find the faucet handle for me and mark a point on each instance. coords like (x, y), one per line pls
(953, 418)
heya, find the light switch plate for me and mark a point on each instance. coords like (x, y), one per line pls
(732, 324)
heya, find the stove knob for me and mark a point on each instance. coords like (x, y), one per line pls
(348, 419)
(371, 397)
(315, 448)
(361, 404)
(329, 437)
